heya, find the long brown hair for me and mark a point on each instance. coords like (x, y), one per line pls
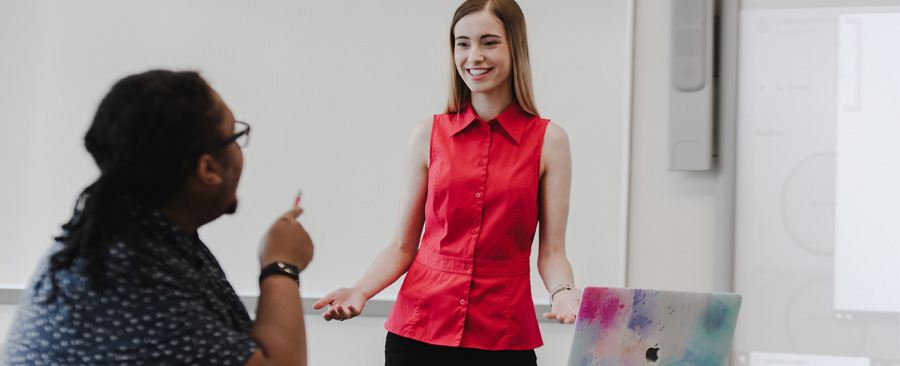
(508, 13)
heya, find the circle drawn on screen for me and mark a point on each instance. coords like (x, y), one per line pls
(807, 204)
(813, 327)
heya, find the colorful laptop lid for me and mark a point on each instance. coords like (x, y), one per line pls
(625, 327)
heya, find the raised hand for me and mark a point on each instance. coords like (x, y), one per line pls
(287, 241)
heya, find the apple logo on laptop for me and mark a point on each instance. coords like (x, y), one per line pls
(653, 353)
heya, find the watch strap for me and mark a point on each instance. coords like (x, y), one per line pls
(280, 268)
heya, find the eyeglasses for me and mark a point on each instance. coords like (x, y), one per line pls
(241, 135)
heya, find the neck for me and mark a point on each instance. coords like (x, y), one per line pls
(489, 105)
(189, 214)
(182, 217)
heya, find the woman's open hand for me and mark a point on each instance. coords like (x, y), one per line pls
(343, 303)
(565, 306)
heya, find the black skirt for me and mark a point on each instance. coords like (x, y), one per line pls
(401, 351)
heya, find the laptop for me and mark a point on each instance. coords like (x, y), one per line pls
(624, 327)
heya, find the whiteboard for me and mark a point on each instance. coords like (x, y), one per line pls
(798, 144)
(332, 90)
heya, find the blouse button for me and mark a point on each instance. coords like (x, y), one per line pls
(462, 302)
(478, 195)
(468, 266)
(481, 163)
(474, 231)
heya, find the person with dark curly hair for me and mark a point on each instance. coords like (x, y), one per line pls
(129, 282)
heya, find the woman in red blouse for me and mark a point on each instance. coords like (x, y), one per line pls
(479, 177)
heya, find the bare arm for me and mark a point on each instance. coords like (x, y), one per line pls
(394, 260)
(555, 184)
(278, 328)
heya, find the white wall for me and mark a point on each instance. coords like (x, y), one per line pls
(672, 214)
(332, 92)
(7, 313)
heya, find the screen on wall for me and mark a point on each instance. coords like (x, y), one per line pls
(867, 164)
(817, 199)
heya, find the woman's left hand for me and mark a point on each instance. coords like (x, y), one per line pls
(565, 306)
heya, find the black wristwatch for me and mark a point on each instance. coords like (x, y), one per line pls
(280, 268)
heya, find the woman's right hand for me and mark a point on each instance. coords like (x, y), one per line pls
(343, 303)
(287, 241)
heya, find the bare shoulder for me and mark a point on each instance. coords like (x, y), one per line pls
(421, 134)
(555, 151)
(420, 142)
(555, 137)
(422, 129)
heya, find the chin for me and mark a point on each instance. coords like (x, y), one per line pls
(232, 208)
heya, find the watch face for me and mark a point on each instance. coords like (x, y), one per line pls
(287, 268)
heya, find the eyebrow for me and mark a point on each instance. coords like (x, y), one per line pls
(482, 37)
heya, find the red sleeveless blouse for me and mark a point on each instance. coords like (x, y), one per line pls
(469, 284)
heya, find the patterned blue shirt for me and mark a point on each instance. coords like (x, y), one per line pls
(174, 308)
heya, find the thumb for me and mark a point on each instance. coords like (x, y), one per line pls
(550, 315)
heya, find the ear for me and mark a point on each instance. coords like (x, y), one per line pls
(208, 170)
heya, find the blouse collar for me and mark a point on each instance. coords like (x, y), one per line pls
(512, 120)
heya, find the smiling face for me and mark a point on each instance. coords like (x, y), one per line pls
(481, 54)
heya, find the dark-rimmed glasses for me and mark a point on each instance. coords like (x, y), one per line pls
(241, 135)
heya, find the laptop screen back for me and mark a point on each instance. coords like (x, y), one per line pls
(624, 327)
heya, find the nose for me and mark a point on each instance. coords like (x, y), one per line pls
(477, 54)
